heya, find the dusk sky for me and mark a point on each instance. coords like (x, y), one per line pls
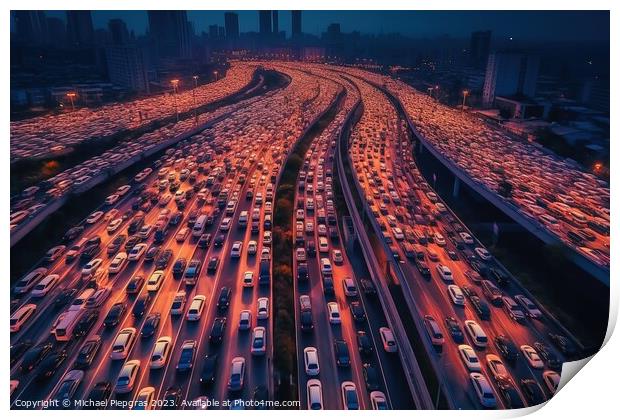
(523, 25)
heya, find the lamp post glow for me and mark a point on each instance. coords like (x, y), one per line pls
(72, 95)
(215, 73)
(465, 93)
(175, 84)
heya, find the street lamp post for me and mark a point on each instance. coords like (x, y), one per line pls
(465, 93)
(175, 84)
(194, 98)
(71, 95)
(215, 73)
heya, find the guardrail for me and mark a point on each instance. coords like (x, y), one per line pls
(415, 380)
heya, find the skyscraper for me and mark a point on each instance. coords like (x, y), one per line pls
(510, 74)
(296, 23)
(30, 26)
(231, 22)
(213, 32)
(264, 22)
(275, 23)
(479, 48)
(127, 66)
(170, 32)
(118, 31)
(56, 31)
(80, 31)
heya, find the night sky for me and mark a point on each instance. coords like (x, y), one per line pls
(521, 25)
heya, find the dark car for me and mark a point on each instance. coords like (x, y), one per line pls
(87, 353)
(85, 324)
(453, 255)
(131, 242)
(193, 269)
(65, 297)
(50, 364)
(548, 356)
(172, 398)
(371, 377)
(135, 285)
(34, 355)
(150, 325)
(100, 392)
(18, 349)
(223, 300)
(179, 268)
(114, 315)
(364, 344)
(311, 248)
(141, 303)
(509, 393)
(305, 319)
(89, 253)
(217, 330)
(357, 311)
(563, 343)
(115, 245)
(423, 268)
(204, 241)
(191, 219)
(481, 307)
(255, 228)
(176, 218)
(506, 348)
(186, 359)
(209, 370)
(454, 329)
(532, 392)
(219, 240)
(72, 233)
(499, 276)
(368, 287)
(302, 272)
(212, 265)
(164, 259)
(341, 353)
(151, 254)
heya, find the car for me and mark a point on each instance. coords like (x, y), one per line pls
(178, 303)
(212, 265)
(144, 399)
(252, 248)
(209, 370)
(469, 358)
(513, 310)
(18, 349)
(179, 267)
(245, 320)
(151, 323)
(508, 392)
(300, 255)
(337, 256)
(155, 280)
(135, 285)
(100, 393)
(114, 225)
(454, 329)
(311, 361)
(378, 401)
(237, 374)
(141, 305)
(223, 300)
(532, 357)
(127, 377)
(236, 250)
(563, 344)
(259, 341)
(21, 316)
(483, 390)
(371, 377)
(182, 234)
(496, 366)
(96, 299)
(159, 355)
(456, 295)
(548, 356)
(204, 241)
(483, 254)
(262, 309)
(94, 217)
(551, 379)
(195, 308)
(217, 330)
(114, 315)
(188, 354)
(86, 323)
(492, 293)
(433, 330)
(444, 273)
(349, 287)
(506, 348)
(64, 297)
(388, 340)
(364, 344)
(333, 313)
(480, 306)
(341, 353)
(530, 309)
(66, 387)
(350, 400)
(152, 253)
(172, 398)
(90, 268)
(50, 364)
(123, 343)
(476, 333)
(34, 355)
(357, 311)
(532, 392)
(87, 353)
(323, 244)
(314, 391)
(137, 251)
(54, 253)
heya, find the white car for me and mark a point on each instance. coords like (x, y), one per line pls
(178, 303)
(160, 353)
(439, 239)
(311, 361)
(112, 199)
(123, 343)
(195, 308)
(237, 248)
(300, 254)
(267, 238)
(350, 399)
(144, 399)
(245, 320)
(551, 380)
(445, 273)
(90, 268)
(467, 238)
(248, 279)
(237, 374)
(483, 254)
(333, 312)
(483, 390)
(127, 377)
(55, 252)
(532, 357)
(456, 294)
(326, 266)
(398, 234)
(323, 244)
(337, 256)
(94, 217)
(388, 340)
(252, 248)
(114, 225)
(259, 341)
(45, 285)
(225, 225)
(315, 394)
(110, 215)
(378, 401)
(476, 333)
(118, 263)
(137, 251)
(262, 309)
(469, 358)
(530, 309)
(155, 281)
(21, 316)
(349, 287)
(27, 282)
(496, 366)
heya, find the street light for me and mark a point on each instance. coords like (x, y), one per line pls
(215, 73)
(194, 97)
(465, 93)
(175, 84)
(72, 95)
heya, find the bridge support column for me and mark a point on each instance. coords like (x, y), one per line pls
(456, 188)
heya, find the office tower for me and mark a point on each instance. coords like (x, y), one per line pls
(296, 23)
(213, 32)
(276, 27)
(118, 32)
(170, 32)
(231, 22)
(510, 74)
(56, 31)
(264, 22)
(479, 48)
(127, 66)
(30, 26)
(80, 32)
